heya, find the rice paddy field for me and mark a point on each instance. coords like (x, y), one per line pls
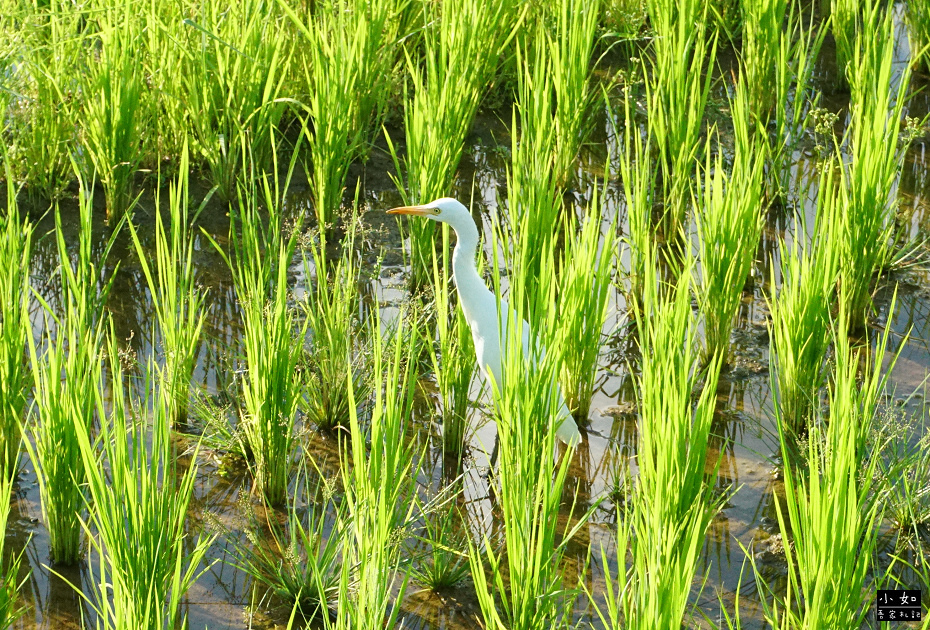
(236, 393)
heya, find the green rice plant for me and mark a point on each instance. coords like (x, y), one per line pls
(177, 299)
(299, 561)
(112, 119)
(846, 24)
(798, 47)
(673, 502)
(337, 347)
(445, 565)
(15, 381)
(759, 56)
(66, 374)
(677, 89)
(379, 477)
(800, 312)
(918, 23)
(138, 500)
(451, 355)
(520, 585)
(462, 40)
(638, 178)
(42, 129)
(877, 155)
(10, 583)
(830, 513)
(730, 218)
(232, 84)
(584, 282)
(347, 77)
(272, 339)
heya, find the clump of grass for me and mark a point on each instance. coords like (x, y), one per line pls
(918, 22)
(762, 36)
(730, 217)
(462, 40)
(846, 24)
(112, 118)
(300, 562)
(799, 328)
(584, 283)
(139, 500)
(673, 503)
(176, 297)
(232, 83)
(10, 583)
(272, 339)
(347, 75)
(333, 317)
(677, 90)
(15, 252)
(867, 224)
(445, 565)
(830, 512)
(379, 477)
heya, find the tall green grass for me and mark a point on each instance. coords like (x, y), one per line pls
(272, 339)
(15, 381)
(138, 499)
(673, 503)
(918, 22)
(677, 90)
(112, 120)
(730, 218)
(462, 41)
(379, 476)
(347, 77)
(232, 82)
(176, 297)
(759, 55)
(876, 107)
(831, 513)
(10, 583)
(846, 25)
(520, 586)
(799, 328)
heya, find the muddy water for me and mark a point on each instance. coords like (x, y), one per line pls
(744, 436)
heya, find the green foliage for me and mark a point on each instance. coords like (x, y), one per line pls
(10, 583)
(918, 22)
(759, 56)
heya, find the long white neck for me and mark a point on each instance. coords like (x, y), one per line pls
(464, 271)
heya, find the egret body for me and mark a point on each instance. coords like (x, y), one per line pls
(479, 303)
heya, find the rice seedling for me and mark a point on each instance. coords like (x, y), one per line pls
(272, 339)
(846, 25)
(139, 500)
(876, 107)
(918, 23)
(638, 178)
(111, 121)
(445, 565)
(10, 582)
(301, 561)
(830, 511)
(176, 297)
(15, 252)
(379, 477)
(677, 90)
(673, 503)
(66, 374)
(347, 77)
(759, 56)
(519, 586)
(461, 45)
(46, 101)
(799, 327)
(730, 218)
(451, 355)
(584, 282)
(337, 346)
(232, 85)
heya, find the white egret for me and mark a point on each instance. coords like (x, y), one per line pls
(480, 304)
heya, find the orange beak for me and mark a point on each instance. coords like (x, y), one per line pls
(420, 211)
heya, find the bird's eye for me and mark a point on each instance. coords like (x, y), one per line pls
(436, 210)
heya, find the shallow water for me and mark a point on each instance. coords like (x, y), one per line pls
(744, 435)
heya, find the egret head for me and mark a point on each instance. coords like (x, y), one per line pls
(444, 209)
